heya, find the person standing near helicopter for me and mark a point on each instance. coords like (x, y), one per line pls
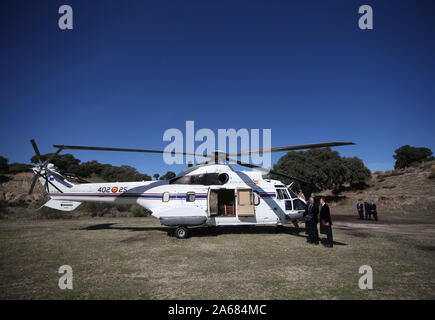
(326, 222)
(311, 219)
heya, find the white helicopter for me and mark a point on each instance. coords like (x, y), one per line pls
(208, 194)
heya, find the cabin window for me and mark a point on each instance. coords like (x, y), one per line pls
(288, 205)
(190, 196)
(256, 198)
(166, 196)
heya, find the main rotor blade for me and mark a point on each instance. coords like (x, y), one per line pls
(128, 150)
(35, 178)
(290, 148)
(244, 164)
(35, 147)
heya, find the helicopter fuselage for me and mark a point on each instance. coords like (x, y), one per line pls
(210, 195)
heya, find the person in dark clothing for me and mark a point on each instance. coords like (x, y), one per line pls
(367, 210)
(373, 211)
(360, 208)
(311, 219)
(326, 222)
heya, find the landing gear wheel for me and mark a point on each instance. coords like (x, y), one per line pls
(181, 232)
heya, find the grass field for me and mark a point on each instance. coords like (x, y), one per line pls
(135, 258)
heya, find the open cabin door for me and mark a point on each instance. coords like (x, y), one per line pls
(221, 202)
(245, 202)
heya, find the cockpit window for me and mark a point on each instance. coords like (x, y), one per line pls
(282, 194)
(298, 204)
(292, 194)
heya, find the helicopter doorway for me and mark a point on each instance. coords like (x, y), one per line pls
(222, 203)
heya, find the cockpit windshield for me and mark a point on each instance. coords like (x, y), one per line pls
(282, 194)
(292, 194)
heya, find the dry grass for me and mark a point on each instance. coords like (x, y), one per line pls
(135, 258)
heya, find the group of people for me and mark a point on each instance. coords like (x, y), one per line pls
(312, 219)
(369, 208)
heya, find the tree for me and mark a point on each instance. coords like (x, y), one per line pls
(4, 167)
(321, 169)
(68, 164)
(168, 175)
(407, 155)
(65, 162)
(156, 176)
(357, 172)
(89, 168)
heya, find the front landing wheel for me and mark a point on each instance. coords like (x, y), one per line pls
(181, 232)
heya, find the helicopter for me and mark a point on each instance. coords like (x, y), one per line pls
(211, 193)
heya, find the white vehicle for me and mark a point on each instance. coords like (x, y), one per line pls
(202, 195)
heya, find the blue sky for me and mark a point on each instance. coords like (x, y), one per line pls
(129, 70)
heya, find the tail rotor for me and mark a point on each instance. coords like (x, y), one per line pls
(41, 169)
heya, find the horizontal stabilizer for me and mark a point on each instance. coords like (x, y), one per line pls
(62, 205)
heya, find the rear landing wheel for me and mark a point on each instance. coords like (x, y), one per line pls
(181, 232)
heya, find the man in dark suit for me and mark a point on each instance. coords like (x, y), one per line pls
(373, 211)
(360, 208)
(367, 210)
(311, 219)
(326, 222)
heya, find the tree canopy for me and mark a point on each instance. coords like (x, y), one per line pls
(68, 164)
(168, 175)
(406, 156)
(322, 169)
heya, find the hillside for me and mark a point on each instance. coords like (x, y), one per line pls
(14, 189)
(405, 192)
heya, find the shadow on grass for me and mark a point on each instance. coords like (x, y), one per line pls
(211, 231)
(324, 242)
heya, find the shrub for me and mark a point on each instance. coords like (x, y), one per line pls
(139, 211)
(91, 207)
(123, 207)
